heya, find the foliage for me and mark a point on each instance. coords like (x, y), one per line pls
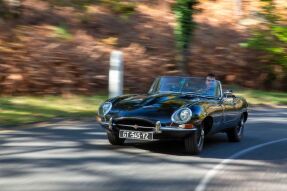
(120, 7)
(2, 8)
(62, 32)
(255, 97)
(10, 8)
(26, 109)
(77, 4)
(184, 11)
(117, 6)
(271, 36)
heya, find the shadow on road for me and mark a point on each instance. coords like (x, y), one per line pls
(79, 156)
(86, 134)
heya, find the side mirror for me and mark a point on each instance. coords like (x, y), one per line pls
(228, 94)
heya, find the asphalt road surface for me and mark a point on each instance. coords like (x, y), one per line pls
(76, 156)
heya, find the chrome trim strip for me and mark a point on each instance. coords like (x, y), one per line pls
(165, 128)
(133, 126)
(117, 120)
(171, 128)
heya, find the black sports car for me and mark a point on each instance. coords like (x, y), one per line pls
(186, 108)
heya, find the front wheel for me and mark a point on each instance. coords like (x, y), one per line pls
(235, 134)
(114, 139)
(194, 143)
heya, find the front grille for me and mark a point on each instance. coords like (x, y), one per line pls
(134, 124)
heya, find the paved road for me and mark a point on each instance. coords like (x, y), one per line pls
(75, 156)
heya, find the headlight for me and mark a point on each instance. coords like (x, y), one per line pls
(181, 116)
(105, 108)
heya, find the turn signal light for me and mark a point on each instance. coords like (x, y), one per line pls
(98, 119)
(186, 126)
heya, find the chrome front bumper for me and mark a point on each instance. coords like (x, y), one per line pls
(157, 129)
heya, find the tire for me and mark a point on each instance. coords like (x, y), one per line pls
(194, 143)
(114, 139)
(235, 134)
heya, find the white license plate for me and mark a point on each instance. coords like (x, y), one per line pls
(138, 135)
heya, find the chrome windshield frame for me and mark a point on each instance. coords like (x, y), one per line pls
(154, 88)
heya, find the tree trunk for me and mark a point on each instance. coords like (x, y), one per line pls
(2, 8)
(10, 8)
(184, 61)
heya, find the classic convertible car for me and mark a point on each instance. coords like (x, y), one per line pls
(185, 108)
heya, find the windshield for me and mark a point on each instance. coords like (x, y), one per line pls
(192, 85)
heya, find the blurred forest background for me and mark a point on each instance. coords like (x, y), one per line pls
(63, 46)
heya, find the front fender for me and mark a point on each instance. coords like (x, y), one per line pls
(198, 114)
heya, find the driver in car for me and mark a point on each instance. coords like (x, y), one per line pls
(210, 83)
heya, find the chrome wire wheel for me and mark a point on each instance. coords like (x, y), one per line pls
(200, 138)
(240, 127)
(235, 134)
(194, 142)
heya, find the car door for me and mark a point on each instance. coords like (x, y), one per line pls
(230, 110)
(215, 109)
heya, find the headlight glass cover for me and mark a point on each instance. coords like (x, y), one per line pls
(181, 116)
(105, 108)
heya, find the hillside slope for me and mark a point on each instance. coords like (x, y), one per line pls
(59, 47)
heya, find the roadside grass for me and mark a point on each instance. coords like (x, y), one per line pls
(28, 109)
(259, 97)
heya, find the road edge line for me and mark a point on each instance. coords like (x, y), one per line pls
(211, 173)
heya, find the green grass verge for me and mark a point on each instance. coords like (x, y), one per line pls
(259, 97)
(26, 109)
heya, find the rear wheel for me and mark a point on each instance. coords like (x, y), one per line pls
(114, 139)
(194, 143)
(235, 134)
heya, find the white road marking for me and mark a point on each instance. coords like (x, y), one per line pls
(211, 173)
(98, 133)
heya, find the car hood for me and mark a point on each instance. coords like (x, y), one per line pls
(152, 107)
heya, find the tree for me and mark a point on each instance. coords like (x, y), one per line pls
(185, 25)
(270, 38)
(10, 8)
(2, 8)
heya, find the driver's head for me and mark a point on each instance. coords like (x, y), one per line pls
(210, 78)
